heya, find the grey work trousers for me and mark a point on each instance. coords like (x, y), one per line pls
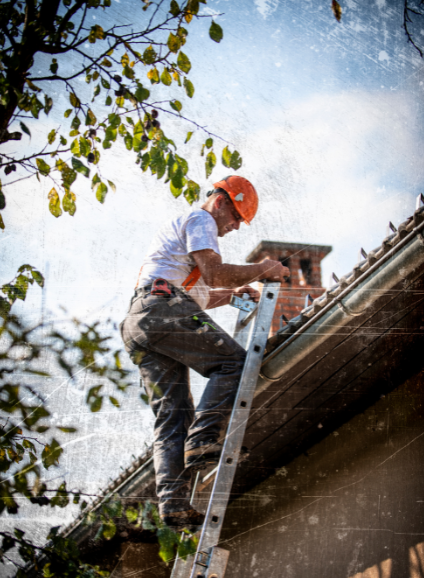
(172, 334)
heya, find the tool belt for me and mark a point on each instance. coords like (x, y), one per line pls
(157, 287)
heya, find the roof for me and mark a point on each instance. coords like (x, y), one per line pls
(357, 341)
(291, 248)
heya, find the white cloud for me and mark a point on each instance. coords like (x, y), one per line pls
(266, 7)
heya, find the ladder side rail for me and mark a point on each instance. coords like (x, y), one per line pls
(237, 426)
(243, 332)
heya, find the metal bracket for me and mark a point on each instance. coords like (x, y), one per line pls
(243, 304)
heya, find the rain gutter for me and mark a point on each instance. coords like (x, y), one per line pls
(353, 301)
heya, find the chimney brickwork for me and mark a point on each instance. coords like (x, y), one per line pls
(305, 279)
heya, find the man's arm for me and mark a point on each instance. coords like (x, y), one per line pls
(217, 274)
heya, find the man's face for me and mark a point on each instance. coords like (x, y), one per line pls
(226, 216)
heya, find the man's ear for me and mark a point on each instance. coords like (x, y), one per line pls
(219, 202)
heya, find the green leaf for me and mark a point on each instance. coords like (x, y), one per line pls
(107, 63)
(68, 429)
(210, 163)
(209, 143)
(105, 83)
(68, 112)
(108, 101)
(96, 33)
(97, 402)
(74, 100)
(109, 529)
(75, 147)
(166, 78)
(193, 6)
(25, 128)
(178, 179)
(48, 103)
(167, 540)
(128, 141)
(61, 498)
(176, 191)
(174, 9)
(43, 167)
(192, 192)
(2, 199)
(38, 277)
(149, 56)
(187, 546)
(80, 167)
(111, 133)
(114, 401)
(112, 185)
(215, 32)
(236, 161)
(176, 105)
(75, 123)
(226, 157)
(114, 120)
(101, 193)
(145, 161)
(95, 180)
(153, 76)
(141, 93)
(62, 140)
(184, 62)
(174, 43)
(51, 454)
(131, 515)
(90, 118)
(84, 146)
(189, 135)
(69, 203)
(54, 203)
(189, 88)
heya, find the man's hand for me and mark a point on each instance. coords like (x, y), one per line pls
(254, 294)
(274, 270)
(217, 274)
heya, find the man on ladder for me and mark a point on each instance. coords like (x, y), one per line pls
(166, 331)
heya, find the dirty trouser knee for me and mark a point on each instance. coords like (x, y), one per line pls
(185, 335)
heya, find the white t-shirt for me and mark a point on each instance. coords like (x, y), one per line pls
(168, 256)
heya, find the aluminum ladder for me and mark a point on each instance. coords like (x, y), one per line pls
(251, 332)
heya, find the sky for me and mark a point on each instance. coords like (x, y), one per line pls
(328, 118)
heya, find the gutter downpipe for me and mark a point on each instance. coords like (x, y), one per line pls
(351, 302)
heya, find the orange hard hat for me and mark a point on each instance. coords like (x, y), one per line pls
(242, 194)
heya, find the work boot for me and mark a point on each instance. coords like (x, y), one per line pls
(177, 521)
(203, 456)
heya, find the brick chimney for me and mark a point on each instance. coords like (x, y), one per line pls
(304, 264)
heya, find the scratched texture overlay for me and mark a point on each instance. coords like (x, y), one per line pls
(328, 118)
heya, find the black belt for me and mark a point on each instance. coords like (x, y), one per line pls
(147, 289)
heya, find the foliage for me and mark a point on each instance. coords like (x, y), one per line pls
(29, 356)
(111, 107)
(59, 557)
(146, 517)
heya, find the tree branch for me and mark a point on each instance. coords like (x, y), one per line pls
(407, 20)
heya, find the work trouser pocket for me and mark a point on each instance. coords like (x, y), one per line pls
(210, 338)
